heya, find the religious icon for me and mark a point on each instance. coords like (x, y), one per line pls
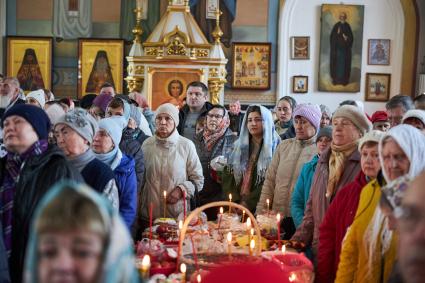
(377, 87)
(175, 90)
(300, 47)
(29, 74)
(100, 73)
(300, 84)
(379, 51)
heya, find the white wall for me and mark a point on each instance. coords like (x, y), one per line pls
(2, 34)
(421, 46)
(382, 19)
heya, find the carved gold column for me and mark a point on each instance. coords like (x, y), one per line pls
(135, 77)
(217, 75)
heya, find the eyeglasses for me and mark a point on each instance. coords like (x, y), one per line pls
(216, 116)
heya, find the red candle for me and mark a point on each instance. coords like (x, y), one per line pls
(184, 205)
(278, 230)
(150, 221)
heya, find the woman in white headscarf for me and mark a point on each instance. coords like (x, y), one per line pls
(369, 248)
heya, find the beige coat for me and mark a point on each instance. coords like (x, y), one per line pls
(283, 172)
(169, 163)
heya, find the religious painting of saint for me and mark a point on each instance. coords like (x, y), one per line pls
(378, 52)
(341, 40)
(300, 47)
(30, 60)
(100, 61)
(100, 73)
(377, 87)
(251, 65)
(169, 85)
(299, 84)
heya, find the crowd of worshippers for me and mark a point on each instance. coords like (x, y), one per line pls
(76, 181)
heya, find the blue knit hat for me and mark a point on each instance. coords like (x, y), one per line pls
(113, 126)
(33, 115)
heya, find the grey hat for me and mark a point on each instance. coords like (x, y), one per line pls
(80, 121)
(325, 109)
(324, 132)
(355, 115)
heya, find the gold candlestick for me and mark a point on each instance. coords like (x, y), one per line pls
(217, 32)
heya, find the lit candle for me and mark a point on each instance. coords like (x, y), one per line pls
(243, 216)
(146, 265)
(268, 206)
(183, 271)
(251, 246)
(198, 278)
(219, 219)
(248, 228)
(229, 244)
(230, 199)
(292, 277)
(283, 249)
(278, 230)
(165, 202)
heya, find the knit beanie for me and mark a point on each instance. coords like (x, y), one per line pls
(325, 110)
(374, 136)
(135, 114)
(80, 121)
(55, 111)
(113, 127)
(311, 112)
(170, 109)
(379, 116)
(33, 115)
(324, 132)
(415, 113)
(39, 96)
(102, 101)
(355, 115)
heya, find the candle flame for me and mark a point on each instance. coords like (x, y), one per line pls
(198, 278)
(278, 217)
(248, 222)
(293, 277)
(230, 197)
(267, 201)
(221, 210)
(252, 244)
(146, 262)
(165, 194)
(229, 237)
(252, 231)
(183, 268)
(283, 249)
(180, 224)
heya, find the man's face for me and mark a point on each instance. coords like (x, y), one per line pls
(382, 126)
(196, 98)
(8, 91)
(395, 115)
(411, 226)
(107, 90)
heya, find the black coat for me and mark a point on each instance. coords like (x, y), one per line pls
(38, 174)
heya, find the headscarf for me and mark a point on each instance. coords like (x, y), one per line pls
(118, 261)
(139, 98)
(210, 138)
(240, 155)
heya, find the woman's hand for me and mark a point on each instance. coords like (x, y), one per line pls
(175, 195)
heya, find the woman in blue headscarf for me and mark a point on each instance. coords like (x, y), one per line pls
(78, 237)
(245, 172)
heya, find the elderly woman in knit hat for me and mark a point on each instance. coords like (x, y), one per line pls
(244, 173)
(106, 148)
(337, 166)
(36, 98)
(286, 164)
(341, 212)
(172, 166)
(302, 187)
(74, 134)
(369, 249)
(415, 118)
(30, 168)
(216, 139)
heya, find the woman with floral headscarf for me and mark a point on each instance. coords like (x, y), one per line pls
(216, 139)
(78, 237)
(369, 248)
(245, 172)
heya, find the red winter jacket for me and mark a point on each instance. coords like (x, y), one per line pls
(338, 218)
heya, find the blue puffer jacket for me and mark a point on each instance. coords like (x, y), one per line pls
(302, 190)
(125, 176)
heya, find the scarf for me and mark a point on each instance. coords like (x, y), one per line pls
(240, 155)
(112, 158)
(339, 155)
(82, 160)
(211, 138)
(130, 134)
(247, 178)
(14, 164)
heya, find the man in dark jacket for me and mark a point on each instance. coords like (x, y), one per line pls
(28, 171)
(9, 94)
(197, 104)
